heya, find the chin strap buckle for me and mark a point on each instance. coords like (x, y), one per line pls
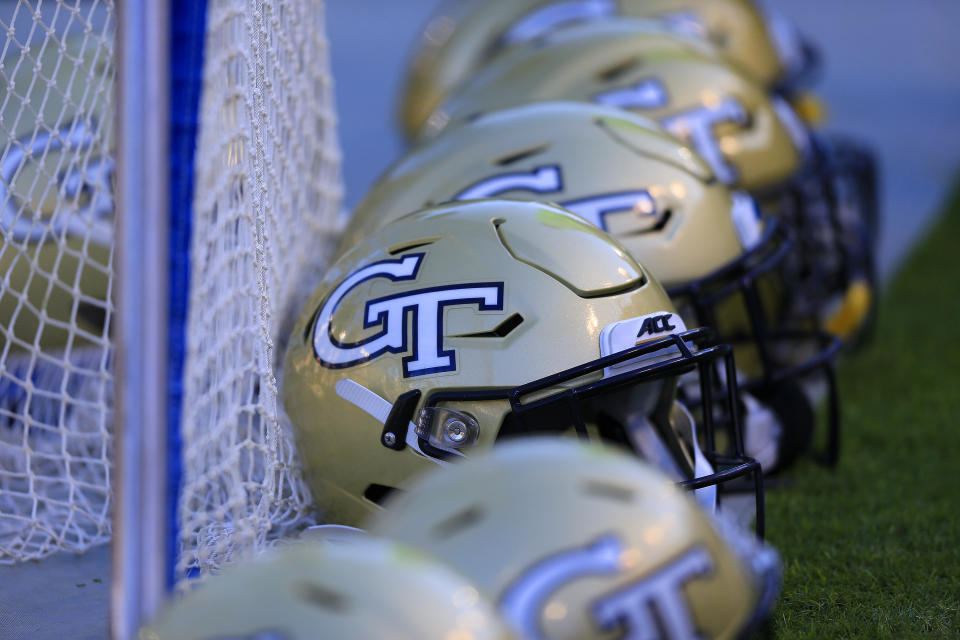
(394, 434)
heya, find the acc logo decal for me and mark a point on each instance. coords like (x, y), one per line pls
(549, 179)
(391, 314)
(625, 334)
(652, 607)
(93, 219)
(653, 325)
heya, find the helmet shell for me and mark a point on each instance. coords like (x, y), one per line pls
(464, 35)
(366, 588)
(492, 263)
(620, 171)
(578, 541)
(750, 140)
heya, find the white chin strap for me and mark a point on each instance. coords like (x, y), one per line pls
(762, 430)
(645, 439)
(707, 497)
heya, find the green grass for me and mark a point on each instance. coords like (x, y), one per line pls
(872, 549)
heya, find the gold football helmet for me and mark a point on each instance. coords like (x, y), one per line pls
(365, 589)
(707, 246)
(56, 203)
(463, 35)
(465, 324)
(577, 541)
(751, 140)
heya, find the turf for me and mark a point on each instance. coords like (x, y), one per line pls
(872, 549)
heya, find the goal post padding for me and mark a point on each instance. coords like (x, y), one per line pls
(187, 37)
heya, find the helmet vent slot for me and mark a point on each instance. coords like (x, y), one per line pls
(409, 246)
(502, 330)
(618, 69)
(377, 493)
(605, 490)
(659, 226)
(517, 156)
(322, 596)
(459, 521)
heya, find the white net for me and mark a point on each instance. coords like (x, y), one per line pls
(266, 203)
(56, 230)
(266, 207)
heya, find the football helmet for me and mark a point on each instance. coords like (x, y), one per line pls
(463, 35)
(368, 588)
(577, 541)
(56, 204)
(751, 141)
(469, 323)
(625, 174)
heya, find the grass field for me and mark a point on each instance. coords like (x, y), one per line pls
(872, 549)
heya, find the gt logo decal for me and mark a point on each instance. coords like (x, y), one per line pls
(541, 21)
(596, 209)
(656, 324)
(549, 179)
(391, 314)
(656, 604)
(646, 94)
(652, 607)
(546, 179)
(523, 602)
(545, 19)
(694, 125)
